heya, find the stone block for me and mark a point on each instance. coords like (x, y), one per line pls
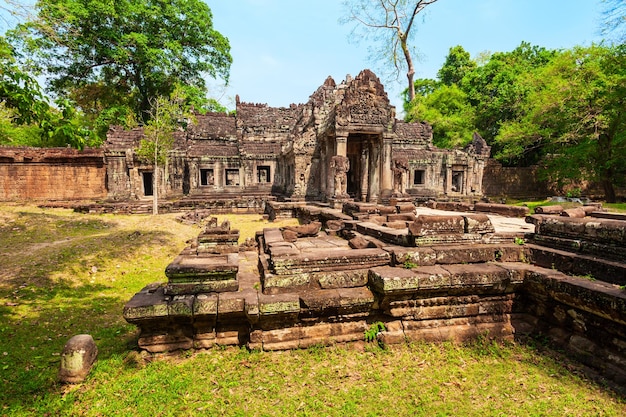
(402, 217)
(77, 359)
(181, 306)
(502, 209)
(278, 309)
(405, 208)
(388, 280)
(148, 304)
(386, 210)
(396, 224)
(555, 209)
(342, 279)
(460, 254)
(230, 304)
(423, 256)
(275, 283)
(427, 225)
(282, 339)
(478, 223)
(359, 242)
(472, 275)
(577, 212)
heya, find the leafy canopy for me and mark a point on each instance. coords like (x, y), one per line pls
(113, 56)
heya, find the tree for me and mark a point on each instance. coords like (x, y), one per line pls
(167, 116)
(495, 90)
(457, 64)
(389, 24)
(575, 114)
(26, 113)
(614, 19)
(446, 108)
(120, 54)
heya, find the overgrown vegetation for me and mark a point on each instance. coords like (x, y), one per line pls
(560, 109)
(63, 273)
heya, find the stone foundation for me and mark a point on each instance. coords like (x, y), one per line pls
(468, 281)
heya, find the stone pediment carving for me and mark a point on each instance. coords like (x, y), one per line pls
(364, 102)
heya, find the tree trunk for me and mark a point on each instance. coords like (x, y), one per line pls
(411, 69)
(609, 190)
(155, 190)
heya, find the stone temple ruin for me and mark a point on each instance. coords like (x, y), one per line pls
(344, 143)
(432, 277)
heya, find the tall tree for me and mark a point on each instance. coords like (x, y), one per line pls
(390, 24)
(494, 89)
(447, 109)
(27, 114)
(576, 114)
(167, 116)
(114, 56)
(457, 64)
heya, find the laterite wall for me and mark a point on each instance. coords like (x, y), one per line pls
(51, 174)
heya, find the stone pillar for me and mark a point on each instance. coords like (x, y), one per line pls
(374, 174)
(323, 165)
(330, 173)
(364, 172)
(219, 175)
(341, 145)
(386, 167)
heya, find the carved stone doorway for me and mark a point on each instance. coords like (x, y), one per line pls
(354, 151)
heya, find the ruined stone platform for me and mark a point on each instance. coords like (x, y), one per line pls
(438, 278)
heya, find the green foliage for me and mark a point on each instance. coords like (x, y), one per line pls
(371, 334)
(26, 118)
(409, 265)
(519, 241)
(457, 64)
(562, 110)
(448, 110)
(574, 114)
(116, 54)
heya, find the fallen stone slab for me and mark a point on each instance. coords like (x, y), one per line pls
(578, 213)
(77, 359)
(557, 209)
(432, 225)
(478, 223)
(502, 209)
(200, 274)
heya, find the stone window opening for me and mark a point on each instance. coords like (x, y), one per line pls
(419, 177)
(263, 174)
(457, 181)
(147, 178)
(232, 177)
(207, 176)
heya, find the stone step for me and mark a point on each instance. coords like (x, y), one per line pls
(610, 271)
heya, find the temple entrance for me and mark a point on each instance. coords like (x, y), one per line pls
(362, 151)
(355, 148)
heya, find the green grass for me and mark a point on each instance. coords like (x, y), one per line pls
(63, 273)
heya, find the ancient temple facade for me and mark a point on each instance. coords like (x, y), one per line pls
(344, 143)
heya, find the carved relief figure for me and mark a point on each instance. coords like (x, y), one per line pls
(400, 166)
(340, 165)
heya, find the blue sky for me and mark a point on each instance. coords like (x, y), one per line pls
(283, 50)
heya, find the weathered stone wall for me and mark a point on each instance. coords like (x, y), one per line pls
(524, 183)
(513, 182)
(51, 174)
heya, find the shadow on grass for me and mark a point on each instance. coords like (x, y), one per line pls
(61, 276)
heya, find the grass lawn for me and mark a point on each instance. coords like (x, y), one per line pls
(63, 273)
